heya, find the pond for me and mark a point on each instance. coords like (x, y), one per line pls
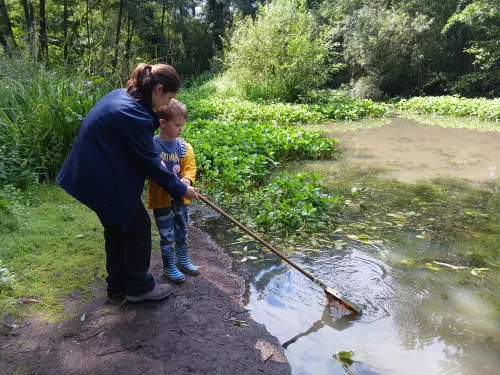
(417, 248)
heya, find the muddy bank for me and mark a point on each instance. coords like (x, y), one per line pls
(200, 329)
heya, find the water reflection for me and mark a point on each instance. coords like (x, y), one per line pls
(415, 321)
(331, 318)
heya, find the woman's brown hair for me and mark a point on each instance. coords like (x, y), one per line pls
(146, 77)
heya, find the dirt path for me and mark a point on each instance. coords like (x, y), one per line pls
(189, 333)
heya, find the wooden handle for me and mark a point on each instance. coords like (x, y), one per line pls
(256, 237)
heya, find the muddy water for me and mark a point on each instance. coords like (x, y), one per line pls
(418, 149)
(418, 317)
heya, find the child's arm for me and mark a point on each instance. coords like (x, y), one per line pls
(188, 166)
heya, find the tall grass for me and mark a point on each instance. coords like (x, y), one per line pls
(40, 114)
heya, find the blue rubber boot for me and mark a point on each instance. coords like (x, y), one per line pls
(183, 262)
(170, 270)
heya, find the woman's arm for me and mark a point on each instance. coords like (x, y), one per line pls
(139, 138)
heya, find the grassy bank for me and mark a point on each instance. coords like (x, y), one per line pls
(52, 245)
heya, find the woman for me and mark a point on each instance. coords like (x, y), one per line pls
(106, 170)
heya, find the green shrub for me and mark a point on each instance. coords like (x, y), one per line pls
(280, 54)
(484, 109)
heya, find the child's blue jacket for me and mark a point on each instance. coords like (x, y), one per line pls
(113, 152)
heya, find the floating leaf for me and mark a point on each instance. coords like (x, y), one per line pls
(338, 246)
(83, 317)
(407, 262)
(338, 230)
(244, 259)
(79, 235)
(345, 356)
(477, 271)
(431, 267)
(363, 237)
(251, 257)
(352, 237)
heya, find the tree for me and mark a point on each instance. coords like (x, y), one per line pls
(5, 44)
(281, 54)
(43, 52)
(7, 24)
(118, 28)
(218, 16)
(482, 17)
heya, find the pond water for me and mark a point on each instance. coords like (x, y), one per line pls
(423, 190)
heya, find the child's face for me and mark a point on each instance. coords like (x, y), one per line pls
(173, 128)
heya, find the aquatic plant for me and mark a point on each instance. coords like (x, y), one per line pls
(484, 109)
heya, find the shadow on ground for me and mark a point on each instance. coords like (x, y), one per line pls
(189, 333)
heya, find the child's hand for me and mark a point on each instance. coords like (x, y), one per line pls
(186, 181)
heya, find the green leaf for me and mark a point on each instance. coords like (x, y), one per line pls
(407, 262)
(345, 356)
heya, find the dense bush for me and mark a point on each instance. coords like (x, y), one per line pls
(280, 54)
(484, 109)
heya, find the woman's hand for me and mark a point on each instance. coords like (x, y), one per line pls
(191, 193)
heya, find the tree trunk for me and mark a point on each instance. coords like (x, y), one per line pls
(65, 27)
(30, 27)
(163, 15)
(87, 26)
(130, 34)
(26, 15)
(43, 52)
(5, 44)
(6, 22)
(117, 41)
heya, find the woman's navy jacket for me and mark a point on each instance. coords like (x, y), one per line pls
(113, 152)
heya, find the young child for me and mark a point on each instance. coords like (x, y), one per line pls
(171, 216)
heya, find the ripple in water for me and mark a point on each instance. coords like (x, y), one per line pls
(401, 330)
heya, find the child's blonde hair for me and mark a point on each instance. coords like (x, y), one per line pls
(174, 108)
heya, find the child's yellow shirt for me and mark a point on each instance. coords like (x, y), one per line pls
(184, 154)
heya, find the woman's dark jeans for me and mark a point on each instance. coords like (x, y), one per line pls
(128, 255)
